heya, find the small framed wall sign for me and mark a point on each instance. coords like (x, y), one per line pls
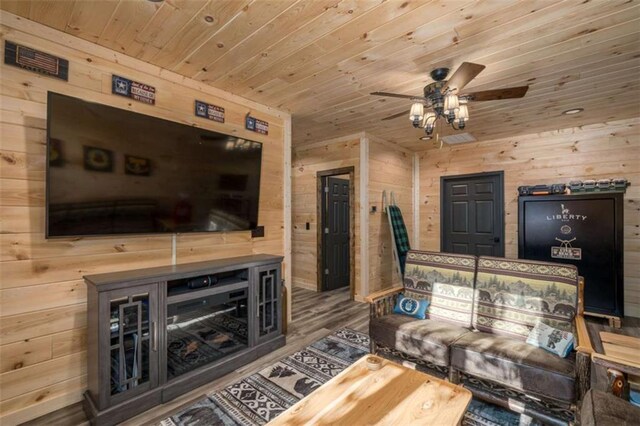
(209, 111)
(137, 166)
(56, 158)
(35, 60)
(97, 159)
(133, 89)
(256, 125)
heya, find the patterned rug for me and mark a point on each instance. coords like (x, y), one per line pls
(259, 398)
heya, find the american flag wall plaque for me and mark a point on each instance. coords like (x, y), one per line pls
(35, 60)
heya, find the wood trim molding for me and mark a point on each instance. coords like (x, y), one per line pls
(287, 215)
(364, 215)
(416, 201)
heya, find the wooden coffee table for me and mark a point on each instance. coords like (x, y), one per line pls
(392, 395)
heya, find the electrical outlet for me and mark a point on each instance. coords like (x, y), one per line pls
(257, 232)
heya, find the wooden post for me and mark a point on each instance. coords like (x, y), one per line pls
(454, 375)
(583, 374)
(583, 353)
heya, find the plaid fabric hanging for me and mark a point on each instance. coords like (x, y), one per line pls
(399, 233)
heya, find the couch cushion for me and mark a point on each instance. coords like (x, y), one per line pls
(446, 280)
(511, 296)
(515, 364)
(604, 409)
(425, 339)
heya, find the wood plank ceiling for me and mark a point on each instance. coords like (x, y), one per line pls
(320, 59)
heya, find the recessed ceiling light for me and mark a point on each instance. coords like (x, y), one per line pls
(209, 18)
(573, 111)
(425, 138)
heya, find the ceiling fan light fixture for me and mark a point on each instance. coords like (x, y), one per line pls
(451, 103)
(462, 113)
(573, 111)
(429, 122)
(429, 119)
(447, 101)
(417, 114)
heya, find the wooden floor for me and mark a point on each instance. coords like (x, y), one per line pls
(314, 315)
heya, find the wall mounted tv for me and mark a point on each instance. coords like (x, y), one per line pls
(112, 171)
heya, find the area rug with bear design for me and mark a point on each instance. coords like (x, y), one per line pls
(261, 397)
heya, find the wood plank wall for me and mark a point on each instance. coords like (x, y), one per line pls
(590, 152)
(333, 154)
(42, 295)
(390, 169)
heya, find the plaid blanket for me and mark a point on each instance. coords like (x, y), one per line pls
(399, 233)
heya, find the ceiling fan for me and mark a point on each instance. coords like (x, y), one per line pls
(446, 99)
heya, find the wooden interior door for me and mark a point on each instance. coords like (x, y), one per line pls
(472, 214)
(335, 234)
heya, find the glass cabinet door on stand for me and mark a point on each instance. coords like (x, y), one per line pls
(132, 339)
(155, 333)
(269, 308)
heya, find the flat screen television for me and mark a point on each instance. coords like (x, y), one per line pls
(112, 171)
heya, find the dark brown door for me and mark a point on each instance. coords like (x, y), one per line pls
(472, 214)
(335, 244)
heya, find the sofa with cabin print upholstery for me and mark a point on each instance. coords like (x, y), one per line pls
(481, 311)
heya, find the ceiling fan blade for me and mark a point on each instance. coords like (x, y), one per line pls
(496, 94)
(463, 75)
(393, 95)
(400, 114)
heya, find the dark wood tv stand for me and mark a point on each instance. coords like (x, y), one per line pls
(154, 334)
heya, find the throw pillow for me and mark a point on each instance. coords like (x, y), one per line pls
(412, 307)
(551, 339)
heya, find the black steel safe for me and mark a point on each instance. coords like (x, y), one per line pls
(585, 230)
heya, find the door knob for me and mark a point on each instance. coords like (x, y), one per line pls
(496, 239)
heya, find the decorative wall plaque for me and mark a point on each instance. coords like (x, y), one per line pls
(137, 166)
(132, 89)
(256, 125)
(35, 60)
(209, 111)
(97, 159)
(56, 158)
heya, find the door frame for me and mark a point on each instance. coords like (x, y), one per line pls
(320, 225)
(500, 201)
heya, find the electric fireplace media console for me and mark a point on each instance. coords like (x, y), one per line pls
(154, 334)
